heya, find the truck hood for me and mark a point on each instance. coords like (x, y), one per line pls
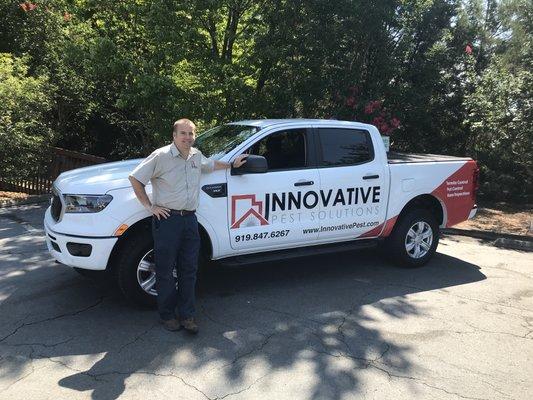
(96, 179)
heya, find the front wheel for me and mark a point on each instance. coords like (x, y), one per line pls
(414, 239)
(135, 269)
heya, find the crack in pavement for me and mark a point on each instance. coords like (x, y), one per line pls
(246, 354)
(471, 371)
(382, 354)
(418, 380)
(40, 344)
(347, 315)
(285, 313)
(363, 363)
(254, 350)
(242, 390)
(496, 389)
(136, 338)
(444, 292)
(461, 367)
(508, 313)
(314, 321)
(371, 363)
(54, 318)
(349, 354)
(477, 329)
(171, 375)
(98, 377)
(210, 318)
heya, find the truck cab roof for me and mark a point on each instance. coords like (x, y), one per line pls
(266, 123)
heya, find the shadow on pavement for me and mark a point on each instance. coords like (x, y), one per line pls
(316, 315)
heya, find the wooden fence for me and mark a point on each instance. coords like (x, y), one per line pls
(62, 160)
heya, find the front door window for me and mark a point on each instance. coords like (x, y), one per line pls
(283, 150)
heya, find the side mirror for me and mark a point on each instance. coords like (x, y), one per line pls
(253, 165)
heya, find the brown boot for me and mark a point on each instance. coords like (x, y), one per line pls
(171, 324)
(189, 325)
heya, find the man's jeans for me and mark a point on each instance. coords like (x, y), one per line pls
(176, 243)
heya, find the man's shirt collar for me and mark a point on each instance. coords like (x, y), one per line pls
(176, 153)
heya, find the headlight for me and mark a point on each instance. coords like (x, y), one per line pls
(86, 203)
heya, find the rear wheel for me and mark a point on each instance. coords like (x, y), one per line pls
(414, 239)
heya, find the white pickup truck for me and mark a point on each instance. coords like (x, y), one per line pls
(309, 186)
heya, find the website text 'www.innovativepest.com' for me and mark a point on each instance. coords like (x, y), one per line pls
(341, 227)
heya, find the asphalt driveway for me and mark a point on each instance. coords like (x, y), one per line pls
(344, 327)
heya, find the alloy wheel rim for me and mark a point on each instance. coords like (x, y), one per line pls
(146, 273)
(419, 240)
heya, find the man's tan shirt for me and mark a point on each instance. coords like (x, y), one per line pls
(175, 181)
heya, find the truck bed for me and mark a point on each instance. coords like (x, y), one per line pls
(405, 158)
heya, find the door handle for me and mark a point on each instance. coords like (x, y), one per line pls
(371, 177)
(304, 183)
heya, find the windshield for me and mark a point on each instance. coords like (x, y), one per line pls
(218, 141)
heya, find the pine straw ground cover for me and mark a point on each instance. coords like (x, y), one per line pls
(515, 219)
(12, 196)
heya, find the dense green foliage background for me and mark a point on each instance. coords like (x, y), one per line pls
(109, 77)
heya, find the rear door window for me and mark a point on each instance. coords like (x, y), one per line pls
(342, 147)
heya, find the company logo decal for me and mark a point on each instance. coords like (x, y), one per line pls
(249, 211)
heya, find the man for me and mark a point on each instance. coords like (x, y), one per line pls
(174, 171)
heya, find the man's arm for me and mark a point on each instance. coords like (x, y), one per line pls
(140, 193)
(240, 160)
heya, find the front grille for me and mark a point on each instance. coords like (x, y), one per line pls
(56, 207)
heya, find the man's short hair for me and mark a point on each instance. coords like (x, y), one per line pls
(184, 121)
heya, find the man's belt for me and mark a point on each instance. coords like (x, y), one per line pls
(182, 212)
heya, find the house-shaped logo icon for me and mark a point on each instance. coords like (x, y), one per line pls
(246, 211)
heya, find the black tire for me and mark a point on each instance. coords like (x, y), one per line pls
(127, 261)
(398, 244)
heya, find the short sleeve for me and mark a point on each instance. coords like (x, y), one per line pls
(146, 169)
(207, 165)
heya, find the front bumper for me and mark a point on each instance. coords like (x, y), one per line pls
(99, 252)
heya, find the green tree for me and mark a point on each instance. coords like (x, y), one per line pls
(500, 107)
(25, 103)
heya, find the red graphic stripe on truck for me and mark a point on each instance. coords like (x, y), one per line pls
(457, 192)
(389, 224)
